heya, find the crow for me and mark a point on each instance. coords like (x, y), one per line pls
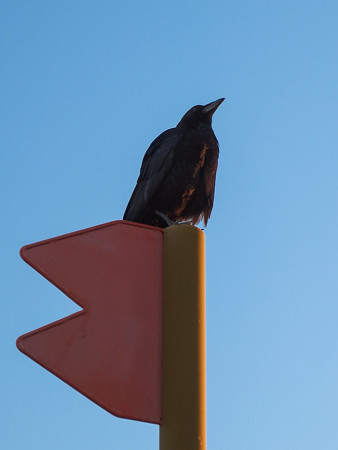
(178, 173)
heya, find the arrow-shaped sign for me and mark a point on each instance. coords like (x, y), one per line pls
(111, 350)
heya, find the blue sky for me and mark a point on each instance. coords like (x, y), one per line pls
(85, 87)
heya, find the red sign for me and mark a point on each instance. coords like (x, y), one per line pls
(111, 350)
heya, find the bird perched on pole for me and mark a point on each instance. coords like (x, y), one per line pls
(178, 173)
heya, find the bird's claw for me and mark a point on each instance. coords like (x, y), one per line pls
(183, 222)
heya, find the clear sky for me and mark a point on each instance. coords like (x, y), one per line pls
(85, 87)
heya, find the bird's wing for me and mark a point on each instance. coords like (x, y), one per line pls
(156, 163)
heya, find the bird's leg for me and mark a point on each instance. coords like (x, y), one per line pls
(165, 218)
(170, 222)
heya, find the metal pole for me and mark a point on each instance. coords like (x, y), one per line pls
(183, 354)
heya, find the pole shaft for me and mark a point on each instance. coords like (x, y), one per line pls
(183, 353)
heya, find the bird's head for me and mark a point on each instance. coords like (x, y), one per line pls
(200, 114)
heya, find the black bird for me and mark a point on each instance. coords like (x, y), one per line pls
(178, 173)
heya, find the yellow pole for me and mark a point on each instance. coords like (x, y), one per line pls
(183, 353)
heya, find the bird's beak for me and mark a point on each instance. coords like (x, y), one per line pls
(211, 107)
